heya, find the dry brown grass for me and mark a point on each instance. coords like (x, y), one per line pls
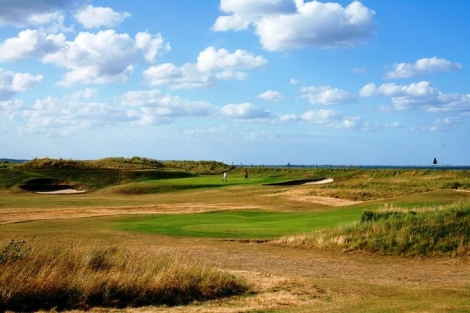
(64, 275)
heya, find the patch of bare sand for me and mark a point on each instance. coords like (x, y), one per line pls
(63, 191)
(321, 182)
(304, 195)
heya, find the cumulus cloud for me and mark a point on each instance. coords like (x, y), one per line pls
(421, 95)
(151, 45)
(96, 17)
(258, 7)
(212, 65)
(11, 108)
(294, 81)
(326, 95)
(102, 57)
(12, 83)
(186, 76)
(31, 12)
(30, 44)
(211, 60)
(271, 95)
(422, 67)
(243, 111)
(157, 107)
(61, 116)
(334, 119)
(322, 116)
(244, 11)
(283, 25)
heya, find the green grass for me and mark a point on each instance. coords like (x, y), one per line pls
(239, 224)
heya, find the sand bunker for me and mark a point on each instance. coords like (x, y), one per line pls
(62, 191)
(323, 181)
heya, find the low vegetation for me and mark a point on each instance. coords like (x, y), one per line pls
(427, 231)
(199, 167)
(65, 276)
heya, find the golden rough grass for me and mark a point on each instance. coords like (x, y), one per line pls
(65, 275)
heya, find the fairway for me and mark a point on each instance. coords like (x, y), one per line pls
(242, 224)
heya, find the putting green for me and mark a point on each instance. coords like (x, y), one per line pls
(247, 224)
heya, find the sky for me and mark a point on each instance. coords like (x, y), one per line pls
(244, 82)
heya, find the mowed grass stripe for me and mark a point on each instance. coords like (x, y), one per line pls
(239, 224)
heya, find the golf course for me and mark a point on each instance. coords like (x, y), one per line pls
(141, 235)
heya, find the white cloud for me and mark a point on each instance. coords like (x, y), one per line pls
(244, 11)
(212, 65)
(30, 44)
(231, 22)
(442, 124)
(198, 132)
(421, 95)
(322, 116)
(326, 95)
(99, 58)
(211, 60)
(421, 67)
(294, 81)
(96, 17)
(258, 7)
(243, 111)
(186, 76)
(12, 83)
(61, 116)
(156, 107)
(288, 118)
(31, 12)
(102, 57)
(11, 108)
(271, 95)
(151, 45)
(334, 119)
(86, 93)
(281, 26)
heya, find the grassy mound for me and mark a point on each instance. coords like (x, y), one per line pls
(134, 163)
(85, 175)
(429, 231)
(66, 276)
(198, 167)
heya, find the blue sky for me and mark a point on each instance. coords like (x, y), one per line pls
(368, 82)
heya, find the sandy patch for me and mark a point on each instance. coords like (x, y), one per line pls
(304, 195)
(324, 181)
(63, 192)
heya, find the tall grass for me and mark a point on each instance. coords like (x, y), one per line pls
(66, 276)
(443, 230)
